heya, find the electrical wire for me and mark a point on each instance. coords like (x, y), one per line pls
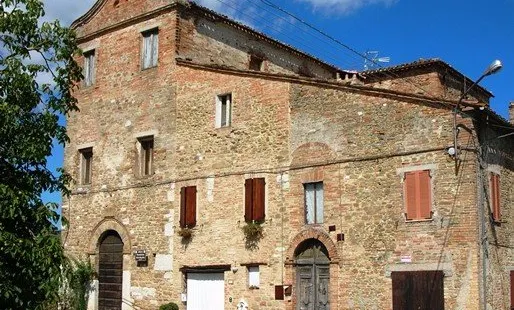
(299, 41)
(340, 43)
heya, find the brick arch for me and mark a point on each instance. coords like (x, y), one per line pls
(312, 152)
(105, 225)
(313, 233)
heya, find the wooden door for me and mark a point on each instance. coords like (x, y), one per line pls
(313, 277)
(110, 273)
(512, 289)
(418, 290)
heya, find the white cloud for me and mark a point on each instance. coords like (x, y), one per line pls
(66, 11)
(345, 6)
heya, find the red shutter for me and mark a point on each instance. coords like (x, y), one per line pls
(248, 199)
(259, 195)
(425, 194)
(409, 191)
(512, 289)
(418, 195)
(191, 206)
(183, 207)
(495, 197)
(279, 292)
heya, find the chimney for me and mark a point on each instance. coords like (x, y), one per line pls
(511, 112)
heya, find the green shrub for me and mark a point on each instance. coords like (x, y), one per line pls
(170, 306)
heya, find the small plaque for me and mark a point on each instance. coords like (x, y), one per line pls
(140, 256)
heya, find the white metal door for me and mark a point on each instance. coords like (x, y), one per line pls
(205, 291)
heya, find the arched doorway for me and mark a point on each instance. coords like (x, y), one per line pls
(110, 271)
(312, 276)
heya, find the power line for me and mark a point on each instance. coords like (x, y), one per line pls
(279, 30)
(267, 2)
(347, 47)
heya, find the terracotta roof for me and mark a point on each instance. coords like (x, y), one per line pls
(420, 64)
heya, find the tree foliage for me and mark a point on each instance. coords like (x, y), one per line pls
(31, 254)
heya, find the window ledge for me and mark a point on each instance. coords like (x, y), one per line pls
(253, 287)
(222, 128)
(419, 221)
(82, 189)
(149, 68)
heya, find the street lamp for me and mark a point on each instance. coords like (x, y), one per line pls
(493, 68)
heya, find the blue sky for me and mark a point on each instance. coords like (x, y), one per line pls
(468, 34)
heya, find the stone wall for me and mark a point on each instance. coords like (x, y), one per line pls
(288, 131)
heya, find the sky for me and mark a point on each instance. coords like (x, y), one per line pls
(467, 34)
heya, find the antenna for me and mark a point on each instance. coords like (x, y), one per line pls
(372, 59)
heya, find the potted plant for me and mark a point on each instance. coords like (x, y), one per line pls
(253, 230)
(185, 232)
(169, 306)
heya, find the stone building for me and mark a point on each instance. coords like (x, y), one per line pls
(218, 168)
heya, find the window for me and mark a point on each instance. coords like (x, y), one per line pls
(188, 206)
(223, 110)
(89, 68)
(418, 290)
(495, 196)
(253, 276)
(418, 195)
(146, 155)
(254, 199)
(255, 63)
(150, 49)
(314, 203)
(86, 159)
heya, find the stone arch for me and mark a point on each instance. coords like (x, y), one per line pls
(103, 227)
(312, 233)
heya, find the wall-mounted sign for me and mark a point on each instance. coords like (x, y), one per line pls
(140, 256)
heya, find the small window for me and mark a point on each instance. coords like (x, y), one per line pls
(254, 200)
(188, 207)
(150, 49)
(146, 155)
(495, 197)
(255, 63)
(314, 203)
(417, 190)
(89, 68)
(86, 161)
(223, 110)
(253, 276)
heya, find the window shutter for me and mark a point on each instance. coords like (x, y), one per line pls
(248, 199)
(310, 192)
(155, 48)
(495, 196)
(410, 195)
(258, 199)
(425, 194)
(191, 206)
(183, 207)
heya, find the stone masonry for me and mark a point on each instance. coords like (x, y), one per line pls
(293, 122)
